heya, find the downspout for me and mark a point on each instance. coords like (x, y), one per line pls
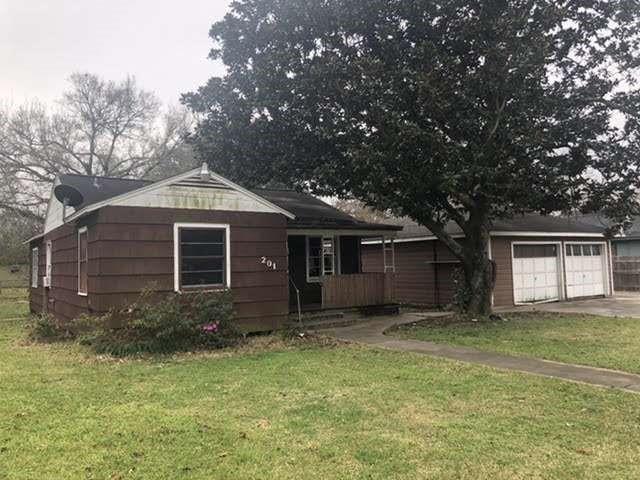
(436, 281)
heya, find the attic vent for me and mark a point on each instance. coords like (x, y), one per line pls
(204, 172)
(198, 181)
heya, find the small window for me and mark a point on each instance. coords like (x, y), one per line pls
(596, 250)
(34, 267)
(321, 257)
(202, 257)
(48, 263)
(569, 251)
(534, 251)
(83, 261)
(328, 256)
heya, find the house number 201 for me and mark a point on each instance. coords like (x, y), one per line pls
(269, 263)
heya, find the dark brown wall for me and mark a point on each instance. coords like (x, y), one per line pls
(36, 299)
(419, 279)
(62, 298)
(131, 248)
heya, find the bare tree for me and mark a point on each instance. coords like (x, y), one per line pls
(98, 128)
(14, 231)
(359, 210)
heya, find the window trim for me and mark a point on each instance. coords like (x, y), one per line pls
(83, 230)
(35, 266)
(336, 256)
(176, 253)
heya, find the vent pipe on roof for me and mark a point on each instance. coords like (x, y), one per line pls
(204, 172)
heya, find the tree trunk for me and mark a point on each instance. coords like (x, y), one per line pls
(478, 275)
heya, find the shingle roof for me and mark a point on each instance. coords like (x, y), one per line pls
(311, 212)
(633, 233)
(95, 189)
(525, 223)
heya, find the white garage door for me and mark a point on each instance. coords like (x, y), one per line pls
(585, 270)
(535, 273)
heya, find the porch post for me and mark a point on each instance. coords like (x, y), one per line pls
(393, 256)
(384, 254)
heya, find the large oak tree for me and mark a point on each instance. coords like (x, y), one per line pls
(440, 110)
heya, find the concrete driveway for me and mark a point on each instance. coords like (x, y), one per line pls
(623, 304)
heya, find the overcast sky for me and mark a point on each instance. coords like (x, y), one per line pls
(164, 44)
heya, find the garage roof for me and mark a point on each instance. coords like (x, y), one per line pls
(530, 223)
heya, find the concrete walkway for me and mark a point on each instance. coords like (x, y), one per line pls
(372, 331)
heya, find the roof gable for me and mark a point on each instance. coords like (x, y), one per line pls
(196, 189)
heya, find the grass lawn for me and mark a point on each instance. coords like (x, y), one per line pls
(572, 338)
(286, 411)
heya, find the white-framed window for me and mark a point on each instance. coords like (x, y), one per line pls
(35, 259)
(83, 261)
(322, 257)
(202, 257)
(49, 262)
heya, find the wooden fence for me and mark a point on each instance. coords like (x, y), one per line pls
(626, 273)
(358, 290)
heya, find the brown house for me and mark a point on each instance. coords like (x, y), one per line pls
(538, 259)
(105, 240)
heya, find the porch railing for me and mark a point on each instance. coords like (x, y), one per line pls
(358, 290)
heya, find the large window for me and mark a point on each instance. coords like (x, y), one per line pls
(321, 257)
(202, 256)
(83, 261)
(34, 267)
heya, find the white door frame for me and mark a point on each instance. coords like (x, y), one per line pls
(559, 267)
(605, 255)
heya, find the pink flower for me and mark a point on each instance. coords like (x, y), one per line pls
(210, 327)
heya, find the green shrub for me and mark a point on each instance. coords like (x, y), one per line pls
(46, 328)
(163, 323)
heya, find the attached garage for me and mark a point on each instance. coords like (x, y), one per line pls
(538, 259)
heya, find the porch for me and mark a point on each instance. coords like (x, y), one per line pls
(325, 273)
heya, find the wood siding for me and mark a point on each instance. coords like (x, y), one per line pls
(501, 254)
(62, 299)
(358, 290)
(131, 248)
(424, 271)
